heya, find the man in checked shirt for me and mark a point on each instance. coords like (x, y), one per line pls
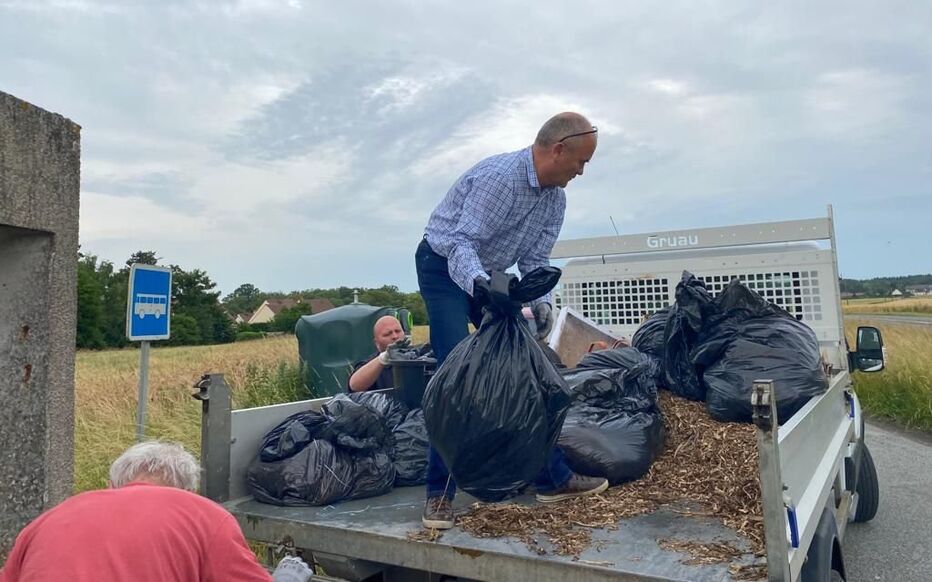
(506, 209)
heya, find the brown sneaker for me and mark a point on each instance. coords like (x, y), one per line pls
(577, 486)
(438, 513)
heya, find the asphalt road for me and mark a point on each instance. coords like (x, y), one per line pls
(898, 319)
(897, 544)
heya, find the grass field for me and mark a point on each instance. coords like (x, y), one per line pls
(106, 384)
(919, 305)
(903, 391)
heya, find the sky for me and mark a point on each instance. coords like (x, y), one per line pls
(298, 144)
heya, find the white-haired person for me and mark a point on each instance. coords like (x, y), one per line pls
(150, 525)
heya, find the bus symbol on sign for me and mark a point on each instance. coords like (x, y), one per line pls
(150, 304)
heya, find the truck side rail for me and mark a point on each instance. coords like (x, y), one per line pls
(801, 464)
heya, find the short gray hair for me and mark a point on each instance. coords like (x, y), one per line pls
(164, 461)
(559, 126)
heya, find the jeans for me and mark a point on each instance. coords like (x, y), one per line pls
(450, 309)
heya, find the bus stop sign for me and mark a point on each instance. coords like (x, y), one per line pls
(148, 304)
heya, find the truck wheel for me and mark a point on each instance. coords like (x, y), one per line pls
(868, 488)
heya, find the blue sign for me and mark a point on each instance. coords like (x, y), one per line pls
(148, 304)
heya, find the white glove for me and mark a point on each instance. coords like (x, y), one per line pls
(402, 344)
(292, 569)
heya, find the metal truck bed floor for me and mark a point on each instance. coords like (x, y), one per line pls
(377, 529)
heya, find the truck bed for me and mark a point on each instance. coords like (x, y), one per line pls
(377, 529)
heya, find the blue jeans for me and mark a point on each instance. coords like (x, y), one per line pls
(450, 309)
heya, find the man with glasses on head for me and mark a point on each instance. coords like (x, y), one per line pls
(506, 209)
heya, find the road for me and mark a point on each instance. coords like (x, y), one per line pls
(897, 319)
(897, 544)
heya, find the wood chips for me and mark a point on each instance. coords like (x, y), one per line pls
(706, 463)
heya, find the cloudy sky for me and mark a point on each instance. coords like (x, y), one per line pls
(296, 144)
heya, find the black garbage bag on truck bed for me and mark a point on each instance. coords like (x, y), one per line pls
(749, 339)
(614, 428)
(684, 323)
(495, 407)
(411, 450)
(649, 340)
(343, 452)
(623, 358)
(392, 409)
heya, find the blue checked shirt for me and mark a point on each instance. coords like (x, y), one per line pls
(494, 216)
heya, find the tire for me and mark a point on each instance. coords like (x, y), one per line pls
(868, 488)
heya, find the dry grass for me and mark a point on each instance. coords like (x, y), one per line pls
(707, 464)
(420, 334)
(902, 392)
(106, 387)
(889, 305)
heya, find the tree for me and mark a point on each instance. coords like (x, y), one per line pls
(184, 331)
(144, 257)
(193, 296)
(90, 304)
(286, 319)
(244, 299)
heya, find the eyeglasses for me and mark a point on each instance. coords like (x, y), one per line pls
(593, 130)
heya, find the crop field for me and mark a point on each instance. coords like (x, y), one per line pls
(918, 305)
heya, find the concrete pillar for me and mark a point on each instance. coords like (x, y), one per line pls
(39, 188)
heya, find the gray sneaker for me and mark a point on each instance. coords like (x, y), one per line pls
(438, 513)
(577, 486)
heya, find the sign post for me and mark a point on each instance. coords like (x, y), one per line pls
(148, 316)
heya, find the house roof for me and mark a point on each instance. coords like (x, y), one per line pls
(319, 305)
(279, 305)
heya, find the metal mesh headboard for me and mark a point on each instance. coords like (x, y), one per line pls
(623, 302)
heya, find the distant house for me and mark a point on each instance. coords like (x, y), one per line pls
(320, 305)
(272, 307)
(919, 289)
(241, 318)
(896, 293)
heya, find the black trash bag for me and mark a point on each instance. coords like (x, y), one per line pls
(318, 474)
(495, 407)
(649, 339)
(343, 452)
(553, 356)
(614, 428)
(355, 426)
(749, 339)
(649, 336)
(411, 450)
(684, 323)
(392, 409)
(291, 435)
(619, 358)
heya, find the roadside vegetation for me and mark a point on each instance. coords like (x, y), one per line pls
(106, 383)
(906, 306)
(902, 392)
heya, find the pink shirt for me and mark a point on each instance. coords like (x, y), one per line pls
(140, 532)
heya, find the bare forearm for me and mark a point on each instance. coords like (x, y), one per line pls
(366, 375)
